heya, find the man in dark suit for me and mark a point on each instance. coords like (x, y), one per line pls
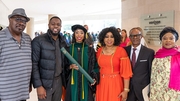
(141, 59)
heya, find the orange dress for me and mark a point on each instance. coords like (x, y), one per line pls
(113, 69)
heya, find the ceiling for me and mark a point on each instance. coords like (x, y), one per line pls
(39, 9)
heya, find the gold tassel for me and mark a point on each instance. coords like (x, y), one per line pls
(72, 78)
(83, 95)
(82, 86)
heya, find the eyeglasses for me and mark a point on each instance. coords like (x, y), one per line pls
(18, 19)
(137, 36)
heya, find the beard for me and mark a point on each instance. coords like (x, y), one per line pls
(54, 34)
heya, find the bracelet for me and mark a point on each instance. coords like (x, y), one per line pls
(70, 67)
(126, 89)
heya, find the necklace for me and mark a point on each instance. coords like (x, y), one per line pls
(108, 51)
(111, 61)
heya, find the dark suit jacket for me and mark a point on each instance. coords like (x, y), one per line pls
(142, 69)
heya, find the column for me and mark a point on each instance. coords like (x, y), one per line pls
(49, 16)
(30, 28)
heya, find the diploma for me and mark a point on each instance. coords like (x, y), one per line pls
(75, 62)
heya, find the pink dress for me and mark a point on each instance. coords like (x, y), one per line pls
(125, 43)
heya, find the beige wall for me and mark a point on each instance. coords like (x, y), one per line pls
(4, 11)
(30, 28)
(133, 9)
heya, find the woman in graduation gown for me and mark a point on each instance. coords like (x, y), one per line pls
(78, 87)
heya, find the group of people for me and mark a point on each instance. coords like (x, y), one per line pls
(132, 73)
(67, 37)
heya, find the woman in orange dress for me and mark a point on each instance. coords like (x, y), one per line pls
(115, 67)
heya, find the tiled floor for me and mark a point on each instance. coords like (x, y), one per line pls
(33, 96)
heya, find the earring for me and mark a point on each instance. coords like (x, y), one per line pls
(160, 42)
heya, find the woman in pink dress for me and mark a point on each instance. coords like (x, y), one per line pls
(125, 39)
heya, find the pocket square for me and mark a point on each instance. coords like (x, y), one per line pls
(143, 60)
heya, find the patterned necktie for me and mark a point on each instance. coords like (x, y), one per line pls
(133, 57)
